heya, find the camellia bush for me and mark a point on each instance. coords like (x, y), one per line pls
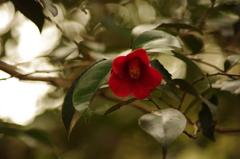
(170, 67)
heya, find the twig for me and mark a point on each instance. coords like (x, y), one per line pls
(151, 100)
(215, 74)
(14, 72)
(206, 63)
(226, 131)
(182, 99)
(114, 98)
(205, 16)
(83, 63)
(189, 135)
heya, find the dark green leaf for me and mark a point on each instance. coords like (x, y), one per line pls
(227, 65)
(232, 86)
(156, 41)
(164, 125)
(194, 43)
(213, 108)
(207, 122)
(119, 105)
(179, 26)
(41, 137)
(189, 62)
(32, 10)
(88, 84)
(20, 131)
(186, 87)
(87, 114)
(69, 114)
(158, 66)
(170, 92)
(231, 61)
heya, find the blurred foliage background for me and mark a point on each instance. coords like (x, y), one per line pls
(45, 57)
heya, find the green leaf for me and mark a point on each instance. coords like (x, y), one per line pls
(207, 122)
(156, 41)
(193, 42)
(186, 87)
(164, 125)
(166, 89)
(88, 84)
(32, 10)
(232, 86)
(158, 66)
(180, 26)
(41, 137)
(231, 61)
(69, 114)
(20, 131)
(189, 62)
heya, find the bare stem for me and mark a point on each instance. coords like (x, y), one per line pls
(15, 72)
(227, 131)
(151, 100)
(189, 135)
(206, 63)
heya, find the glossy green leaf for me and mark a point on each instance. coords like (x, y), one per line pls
(179, 26)
(20, 131)
(193, 42)
(69, 114)
(187, 87)
(207, 122)
(158, 66)
(170, 92)
(164, 125)
(189, 62)
(231, 61)
(88, 84)
(156, 41)
(232, 86)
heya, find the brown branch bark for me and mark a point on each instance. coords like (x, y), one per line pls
(13, 71)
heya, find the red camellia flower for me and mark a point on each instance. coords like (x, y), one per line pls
(132, 74)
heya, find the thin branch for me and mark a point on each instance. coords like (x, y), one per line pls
(215, 74)
(182, 99)
(205, 16)
(151, 100)
(83, 63)
(189, 135)
(119, 105)
(206, 63)
(167, 103)
(227, 131)
(14, 72)
(135, 105)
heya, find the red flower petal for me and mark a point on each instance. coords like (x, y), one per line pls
(120, 86)
(132, 74)
(118, 65)
(140, 92)
(150, 78)
(140, 53)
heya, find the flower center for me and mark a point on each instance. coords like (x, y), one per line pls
(134, 68)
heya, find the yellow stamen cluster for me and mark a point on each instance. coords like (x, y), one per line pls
(134, 72)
